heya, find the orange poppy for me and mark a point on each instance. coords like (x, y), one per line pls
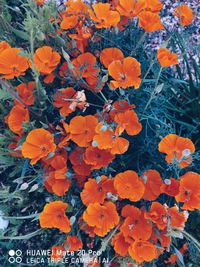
(177, 219)
(185, 14)
(104, 16)
(158, 215)
(108, 55)
(150, 21)
(46, 60)
(4, 45)
(82, 129)
(102, 217)
(130, 8)
(57, 253)
(142, 251)
(97, 158)
(153, 182)
(49, 78)
(62, 100)
(56, 181)
(25, 92)
(120, 245)
(135, 226)
(106, 138)
(189, 191)
(178, 149)
(77, 160)
(12, 64)
(16, 117)
(96, 192)
(153, 5)
(166, 58)
(170, 187)
(77, 8)
(57, 186)
(85, 66)
(73, 243)
(53, 216)
(83, 33)
(69, 22)
(39, 143)
(125, 72)
(120, 106)
(128, 121)
(40, 2)
(129, 185)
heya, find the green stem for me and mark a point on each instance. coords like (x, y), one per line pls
(39, 231)
(21, 217)
(192, 239)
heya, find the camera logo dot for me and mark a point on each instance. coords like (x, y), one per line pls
(15, 256)
(11, 252)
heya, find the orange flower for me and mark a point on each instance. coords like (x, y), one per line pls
(25, 92)
(142, 251)
(46, 60)
(153, 5)
(135, 226)
(73, 243)
(97, 158)
(177, 149)
(170, 187)
(128, 121)
(69, 22)
(96, 192)
(57, 253)
(103, 16)
(77, 160)
(82, 130)
(129, 185)
(125, 72)
(153, 182)
(106, 138)
(56, 181)
(120, 106)
(53, 216)
(40, 2)
(77, 7)
(16, 117)
(158, 215)
(189, 191)
(177, 219)
(166, 58)
(185, 14)
(102, 217)
(108, 55)
(130, 8)
(57, 186)
(12, 64)
(86, 66)
(49, 78)
(150, 21)
(120, 245)
(4, 45)
(39, 143)
(61, 100)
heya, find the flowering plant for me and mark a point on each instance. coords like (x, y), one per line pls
(99, 143)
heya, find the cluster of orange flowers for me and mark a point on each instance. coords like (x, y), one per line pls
(91, 142)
